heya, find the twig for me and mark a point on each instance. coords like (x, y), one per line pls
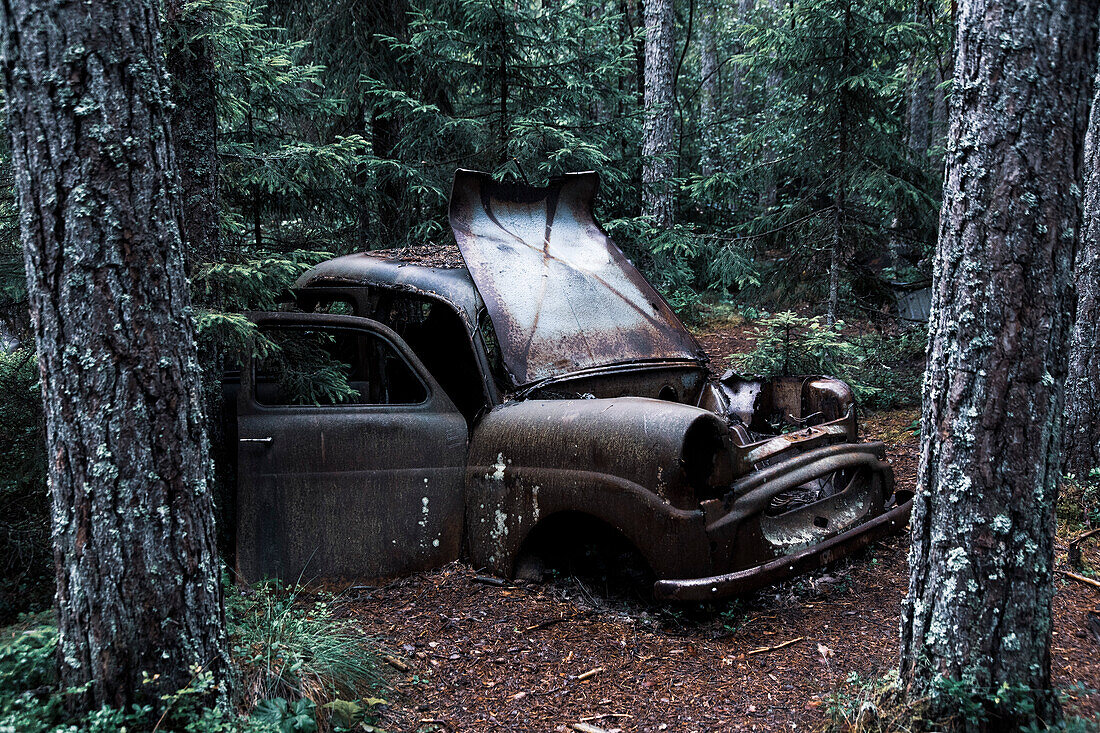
(589, 673)
(1073, 551)
(605, 715)
(490, 580)
(1081, 578)
(396, 663)
(551, 622)
(763, 649)
(586, 728)
(1086, 535)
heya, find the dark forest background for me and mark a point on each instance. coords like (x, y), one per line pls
(804, 144)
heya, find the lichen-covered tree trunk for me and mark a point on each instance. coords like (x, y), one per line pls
(658, 166)
(194, 120)
(1082, 433)
(979, 604)
(132, 524)
(708, 86)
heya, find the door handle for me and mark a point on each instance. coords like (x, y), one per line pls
(265, 440)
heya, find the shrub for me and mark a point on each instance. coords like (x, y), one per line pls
(31, 701)
(787, 343)
(883, 370)
(1079, 501)
(879, 705)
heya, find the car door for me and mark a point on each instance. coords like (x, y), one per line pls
(350, 457)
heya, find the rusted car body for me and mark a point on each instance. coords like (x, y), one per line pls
(535, 380)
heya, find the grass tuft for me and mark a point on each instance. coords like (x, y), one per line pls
(293, 644)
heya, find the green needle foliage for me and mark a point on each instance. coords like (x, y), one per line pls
(883, 371)
(532, 91)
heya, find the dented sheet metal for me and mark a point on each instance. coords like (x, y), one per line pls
(561, 296)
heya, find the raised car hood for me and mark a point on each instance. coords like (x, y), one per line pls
(560, 294)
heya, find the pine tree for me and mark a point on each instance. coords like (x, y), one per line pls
(1082, 441)
(285, 176)
(191, 68)
(830, 132)
(523, 84)
(976, 624)
(138, 588)
(709, 90)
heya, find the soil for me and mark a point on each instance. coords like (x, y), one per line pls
(475, 655)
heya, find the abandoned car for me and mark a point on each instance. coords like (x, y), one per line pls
(488, 401)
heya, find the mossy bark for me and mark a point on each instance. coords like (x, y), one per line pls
(1082, 441)
(132, 517)
(979, 605)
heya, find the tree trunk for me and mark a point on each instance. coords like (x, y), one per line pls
(834, 264)
(840, 174)
(708, 87)
(1082, 441)
(771, 97)
(940, 121)
(194, 123)
(918, 138)
(132, 516)
(737, 94)
(918, 115)
(978, 610)
(658, 139)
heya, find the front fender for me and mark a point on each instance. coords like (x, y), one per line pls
(504, 503)
(674, 450)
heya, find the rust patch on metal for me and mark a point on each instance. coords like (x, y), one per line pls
(561, 295)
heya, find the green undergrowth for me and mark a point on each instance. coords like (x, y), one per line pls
(299, 666)
(26, 559)
(883, 369)
(879, 705)
(1079, 501)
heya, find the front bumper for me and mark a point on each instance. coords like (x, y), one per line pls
(736, 523)
(746, 581)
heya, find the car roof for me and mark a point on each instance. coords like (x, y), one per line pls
(435, 271)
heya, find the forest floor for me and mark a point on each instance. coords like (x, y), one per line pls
(483, 657)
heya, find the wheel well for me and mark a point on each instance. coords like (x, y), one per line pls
(583, 545)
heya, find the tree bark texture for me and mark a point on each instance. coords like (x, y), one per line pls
(708, 87)
(132, 515)
(658, 134)
(919, 115)
(979, 604)
(194, 121)
(1082, 432)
